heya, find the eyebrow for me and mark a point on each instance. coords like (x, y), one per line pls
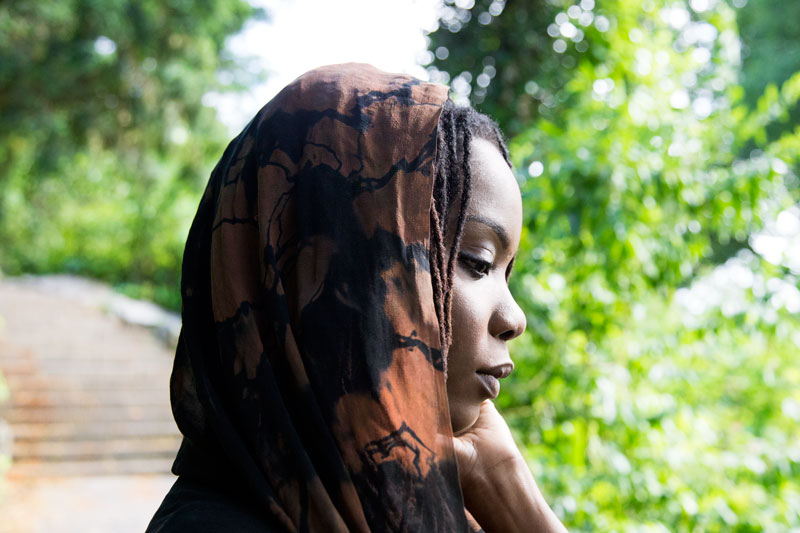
(497, 228)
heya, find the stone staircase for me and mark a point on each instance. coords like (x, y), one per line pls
(89, 393)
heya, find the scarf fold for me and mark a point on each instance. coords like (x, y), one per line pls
(309, 368)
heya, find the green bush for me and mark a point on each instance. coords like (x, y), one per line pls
(102, 165)
(656, 388)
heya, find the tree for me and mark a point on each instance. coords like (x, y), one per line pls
(770, 54)
(647, 181)
(104, 138)
(493, 52)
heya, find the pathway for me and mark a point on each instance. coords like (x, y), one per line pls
(93, 435)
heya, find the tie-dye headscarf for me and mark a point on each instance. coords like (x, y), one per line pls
(309, 364)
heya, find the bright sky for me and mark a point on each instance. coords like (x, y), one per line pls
(304, 34)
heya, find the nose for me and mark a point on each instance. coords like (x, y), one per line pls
(508, 320)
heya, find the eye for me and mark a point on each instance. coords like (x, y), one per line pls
(476, 266)
(510, 267)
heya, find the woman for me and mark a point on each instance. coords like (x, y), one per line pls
(351, 250)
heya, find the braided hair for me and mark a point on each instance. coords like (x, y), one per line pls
(458, 125)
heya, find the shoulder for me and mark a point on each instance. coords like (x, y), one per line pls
(191, 507)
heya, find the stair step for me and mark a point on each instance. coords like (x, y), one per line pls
(39, 469)
(89, 367)
(27, 368)
(93, 430)
(98, 450)
(84, 398)
(100, 413)
(37, 382)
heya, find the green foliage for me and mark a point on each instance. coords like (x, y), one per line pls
(105, 143)
(770, 52)
(511, 50)
(656, 386)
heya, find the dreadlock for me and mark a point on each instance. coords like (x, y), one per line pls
(458, 125)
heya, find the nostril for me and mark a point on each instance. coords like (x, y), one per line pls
(507, 335)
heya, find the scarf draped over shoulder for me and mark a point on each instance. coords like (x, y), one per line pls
(309, 367)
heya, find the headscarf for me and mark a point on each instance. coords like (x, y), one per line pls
(309, 371)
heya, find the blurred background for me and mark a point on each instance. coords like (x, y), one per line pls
(656, 143)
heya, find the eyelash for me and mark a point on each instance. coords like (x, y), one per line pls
(475, 265)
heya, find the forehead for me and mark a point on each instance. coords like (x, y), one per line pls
(495, 192)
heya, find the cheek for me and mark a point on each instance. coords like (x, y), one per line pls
(462, 358)
(470, 318)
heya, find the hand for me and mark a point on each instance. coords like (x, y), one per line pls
(499, 489)
(486, 449)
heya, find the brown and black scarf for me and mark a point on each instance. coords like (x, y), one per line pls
(309, 375)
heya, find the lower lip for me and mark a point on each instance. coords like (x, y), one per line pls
(491, 383)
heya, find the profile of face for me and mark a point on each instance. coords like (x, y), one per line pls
(484, 314)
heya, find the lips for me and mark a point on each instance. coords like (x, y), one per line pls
(490, 383)
(490, 377)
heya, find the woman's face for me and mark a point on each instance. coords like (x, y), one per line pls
(484, 314)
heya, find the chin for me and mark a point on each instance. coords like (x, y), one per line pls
(462, 419)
